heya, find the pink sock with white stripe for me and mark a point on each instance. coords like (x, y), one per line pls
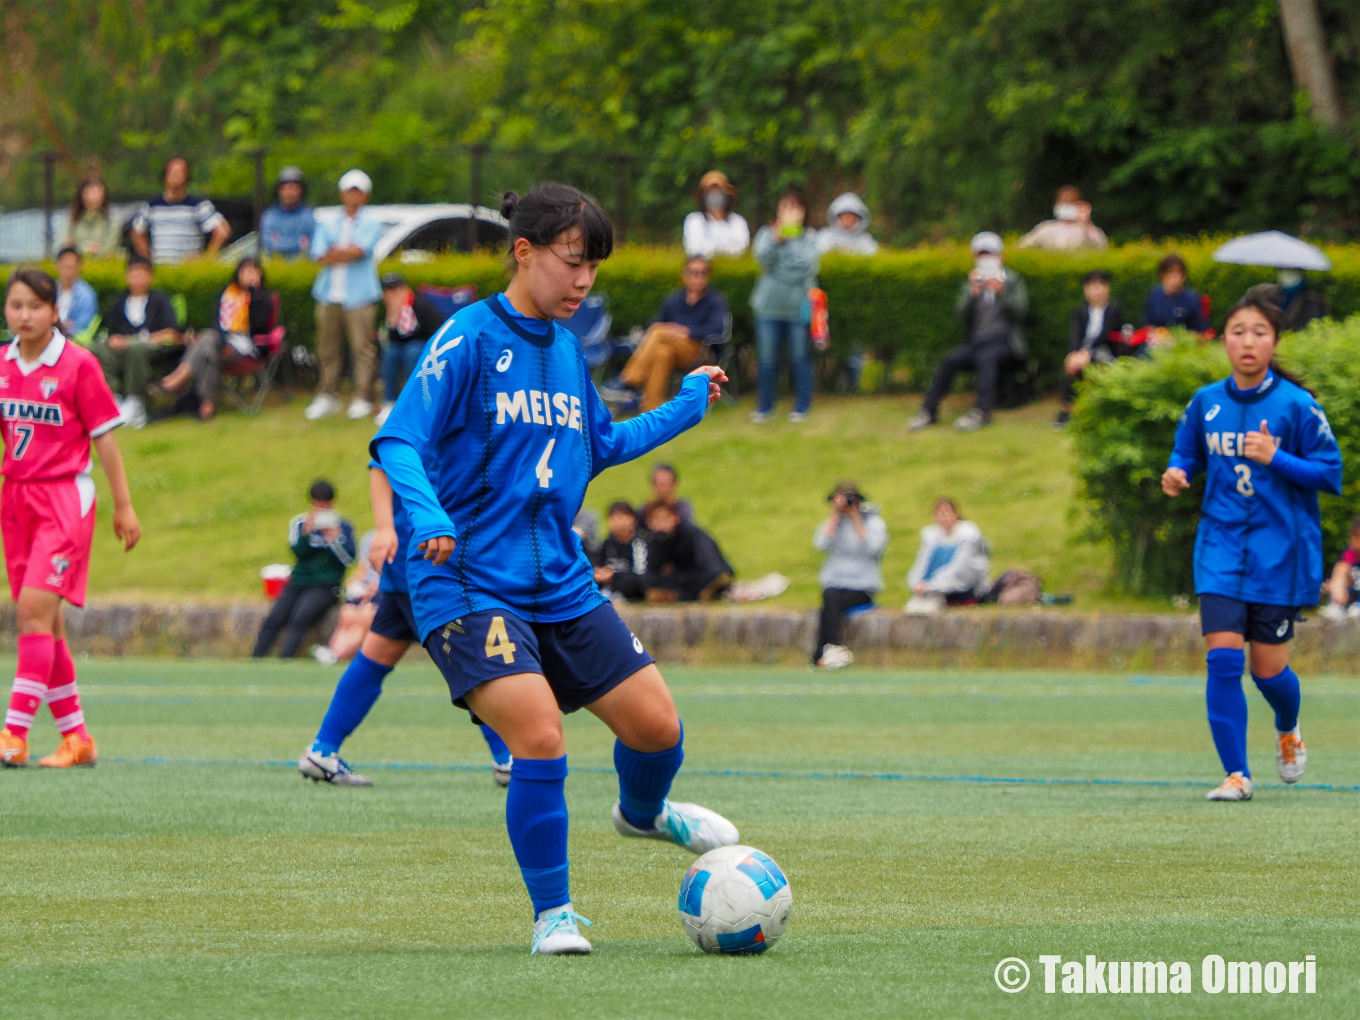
(36, 652)
(62, 697)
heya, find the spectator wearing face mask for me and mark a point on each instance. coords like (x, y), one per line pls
(714, 229)
(1299, 303)
(847, 227)
(1070, 228)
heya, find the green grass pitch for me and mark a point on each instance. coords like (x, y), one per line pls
(192, 874)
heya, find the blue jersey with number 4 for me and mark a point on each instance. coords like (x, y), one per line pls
(1259, 537)
(508, 431)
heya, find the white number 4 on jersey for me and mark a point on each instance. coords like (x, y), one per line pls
(543, 472)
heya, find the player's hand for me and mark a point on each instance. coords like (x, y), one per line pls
(1260, 446)
(438, 550)
(1174, 481)
(715, 376)
(383, 549)
(127, 527)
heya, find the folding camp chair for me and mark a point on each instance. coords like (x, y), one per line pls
(261, 368)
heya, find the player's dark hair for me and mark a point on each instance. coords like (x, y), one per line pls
(623, 507)
(1170, 262)
(322, 491)
(249, 260)
(1256, 298)
(37, 281)
(551, 210)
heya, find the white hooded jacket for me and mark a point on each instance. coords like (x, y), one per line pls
(856, 240)
(966, 570)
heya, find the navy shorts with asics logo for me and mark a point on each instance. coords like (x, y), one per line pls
(582, 659)
(1255, 621)
(394, 619)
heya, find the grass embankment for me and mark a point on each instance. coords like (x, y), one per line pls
(215, 499)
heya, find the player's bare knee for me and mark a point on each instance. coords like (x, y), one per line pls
(539, 740)
(658, 731)
(383, 650)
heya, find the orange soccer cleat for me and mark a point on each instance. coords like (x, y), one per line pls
(13, 750)
(74, 753)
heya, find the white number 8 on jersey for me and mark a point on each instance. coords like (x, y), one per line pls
(1244, 485)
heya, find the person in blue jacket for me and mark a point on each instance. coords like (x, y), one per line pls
(1266, 449)
(490, 447)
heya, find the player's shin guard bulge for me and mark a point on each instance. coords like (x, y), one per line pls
(536, 819)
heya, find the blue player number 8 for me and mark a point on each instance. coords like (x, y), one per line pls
(1244, 485)
(498, 641)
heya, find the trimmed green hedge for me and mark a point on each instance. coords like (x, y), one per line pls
(1124, 426)
(897, 306)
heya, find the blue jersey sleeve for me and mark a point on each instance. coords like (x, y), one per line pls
(1188, 453)
(619, 442)
(1318, 464)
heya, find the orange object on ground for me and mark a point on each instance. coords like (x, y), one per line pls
(73, 753)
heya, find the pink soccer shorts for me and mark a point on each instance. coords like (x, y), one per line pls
(47, 537)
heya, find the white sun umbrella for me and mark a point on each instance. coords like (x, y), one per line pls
(1273, 248)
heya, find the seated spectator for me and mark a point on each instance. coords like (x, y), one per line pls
(675, 340)
(411, 319)
(170, 227)
(586, 524)
(245, 310)
(714, 229)
(665, 481)
(143, 331)
(853, 538)
(847, 227)
(952, 564)
(1069, 229)
(323, 544)
(356, 614)
(77, 304)
(91, 229)
(1172, 303)
(286, 226)
(992, 305)
(684, 563)
(1088, 336)
(1344, 585)
(621, 562)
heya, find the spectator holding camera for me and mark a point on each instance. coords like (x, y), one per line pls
(952, 563)
(620, 564)
(1088, 336)
(853, 538)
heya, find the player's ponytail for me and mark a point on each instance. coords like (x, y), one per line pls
(37, 281)
(1260, 298)
(551, 210)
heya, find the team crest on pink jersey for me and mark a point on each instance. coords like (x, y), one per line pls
(48, 385)
(60, 564)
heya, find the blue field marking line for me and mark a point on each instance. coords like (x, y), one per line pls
(901, 777)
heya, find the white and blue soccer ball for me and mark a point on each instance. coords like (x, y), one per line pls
(735, 900)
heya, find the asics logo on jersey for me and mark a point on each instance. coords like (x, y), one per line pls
(432, 366)
(535, 407)
(1212, 413)
(1284, 626)
(31, 410)
(503, 362)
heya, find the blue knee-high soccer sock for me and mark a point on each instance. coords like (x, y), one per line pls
(500, 754)
(1228, 707)
(645, 779)
(536, 817)
(1282, 691)
(358, 689)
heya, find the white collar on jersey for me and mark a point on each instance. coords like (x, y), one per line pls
(48, 357)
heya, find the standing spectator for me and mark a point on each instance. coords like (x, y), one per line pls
(323, 544)
(788, 257)
(170, 227)
(90, 229)
(1172, 303)
(1299, 303)
(620, 564)
(245, 310)
(411, 320)
(346, 291)
(286, 227)
(853, 538)
(665, 483)
(1069, 229)
(714, 229)
(952, 563)
(674, 341)
(142, 327)
(992, 305)
(847, 227)
(1088, 336)
(77, 304)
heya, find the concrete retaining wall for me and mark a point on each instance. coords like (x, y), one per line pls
(963, 639)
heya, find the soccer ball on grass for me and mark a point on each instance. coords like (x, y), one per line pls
(735, 900)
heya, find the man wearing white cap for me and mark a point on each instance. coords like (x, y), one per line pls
(346, 292)
(992, 304)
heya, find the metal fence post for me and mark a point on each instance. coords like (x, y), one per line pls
(259, 186)
(49, 200)
(621, 183)
(474, 192)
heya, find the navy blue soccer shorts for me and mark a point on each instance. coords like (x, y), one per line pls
(1255, 621)
(394, 619)
(582, 659)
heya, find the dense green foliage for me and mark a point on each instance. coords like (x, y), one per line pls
(1124, 427)
(949, 115)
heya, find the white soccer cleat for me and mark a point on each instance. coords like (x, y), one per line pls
(1291, 756)
(556, 933)
(329, 768)
(835, 657)
(693, 827)
(1235, 787)
(501, 773)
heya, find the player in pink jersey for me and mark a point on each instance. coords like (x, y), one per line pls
(53, 404)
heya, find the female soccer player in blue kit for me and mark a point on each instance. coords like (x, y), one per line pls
(1267, 450)
(490, 448)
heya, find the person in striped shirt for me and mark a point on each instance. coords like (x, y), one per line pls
(171, 226)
